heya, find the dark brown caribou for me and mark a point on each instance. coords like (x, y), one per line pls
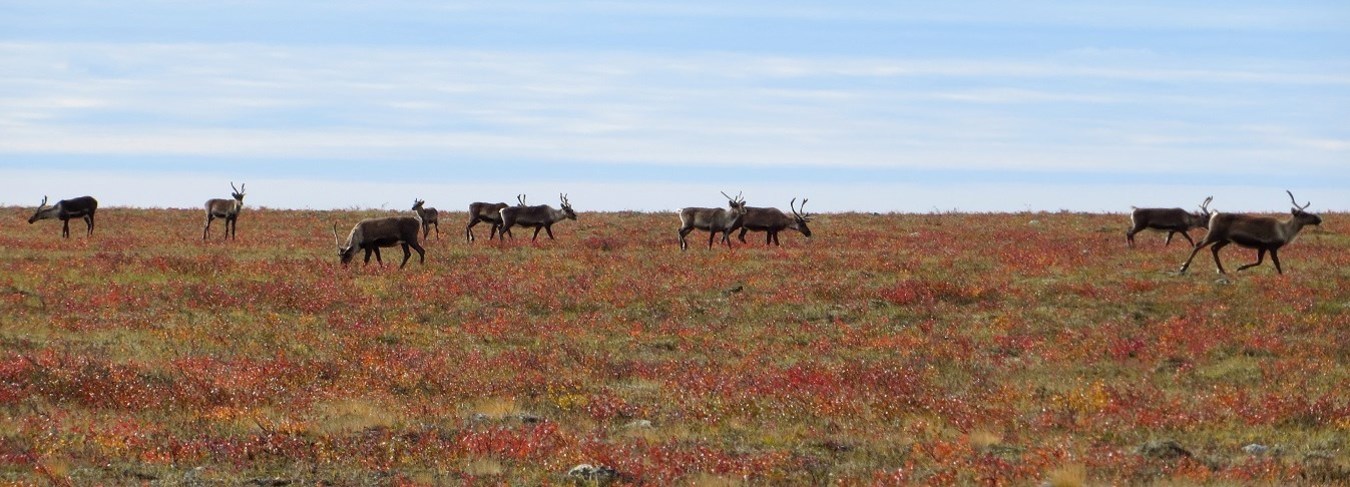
(1263, 233)
(83, 207)
(1171, 220)
(488, 212)
(773, 220)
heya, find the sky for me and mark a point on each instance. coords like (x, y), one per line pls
(910, 106)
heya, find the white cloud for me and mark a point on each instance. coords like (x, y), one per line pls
(268, 101)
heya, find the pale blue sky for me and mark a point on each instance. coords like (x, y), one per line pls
(876, 106)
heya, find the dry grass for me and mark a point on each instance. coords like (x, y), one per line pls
(1072, 475)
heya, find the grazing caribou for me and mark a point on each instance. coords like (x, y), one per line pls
(82, 207)
(488, 212)
(227, 210)
(1262, 233)
(429, 217)
(371, 234)
(773, 220)
(1172, 220)
(714, 220)
(541, 217)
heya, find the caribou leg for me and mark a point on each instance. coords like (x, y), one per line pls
(1275, 257)
(406, 255)
(1215, 249)
(1194, 251)
(1260, 257)
(547, 228)
(1188, 238)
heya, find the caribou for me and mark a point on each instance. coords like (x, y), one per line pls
(428, 217)
(371, 234)
(488, 212)
(1171, 220)
(541, 217)
(227, 210)
(773, 220)
(82, 207)
(714, 220)
(1263, 233)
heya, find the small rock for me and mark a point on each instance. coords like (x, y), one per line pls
(734, 289)
(528, 418)
(479, 418)
(1163, 450)
(639, 424)
(596, 473)
(1256, 449)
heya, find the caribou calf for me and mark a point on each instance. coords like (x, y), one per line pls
(714, 220)
(82, 207)
(227, 210)
(1262, 233)
(541, 217)
(773, 220)
(1171, 220)
(488, 212)
(371, 234)
(429, 217)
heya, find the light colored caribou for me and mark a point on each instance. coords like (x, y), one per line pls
(83, 207)
(371, 234)
(227, 210)
(541, 217)
(714, 220)
(429, 217)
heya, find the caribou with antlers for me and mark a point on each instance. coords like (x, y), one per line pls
(541, 217)
(429, 217)
(488, 212)
(227, 210)
(82, 207)
(714, 220)
(773, 220)
(1171, 220)
(371, 234)
(1262, 233)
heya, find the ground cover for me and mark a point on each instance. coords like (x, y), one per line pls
(1004, 349)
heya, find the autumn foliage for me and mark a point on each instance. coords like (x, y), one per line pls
(933, 349)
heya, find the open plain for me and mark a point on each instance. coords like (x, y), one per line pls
(939, 349)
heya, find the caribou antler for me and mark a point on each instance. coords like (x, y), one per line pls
(234, 188)
(336, 241)
(520, 198)
(1204, 207)
(562, 198)
(44, 201)
(1291, 198)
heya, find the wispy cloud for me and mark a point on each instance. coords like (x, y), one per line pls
(351, 102)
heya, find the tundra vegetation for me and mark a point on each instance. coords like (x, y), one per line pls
(938, 349)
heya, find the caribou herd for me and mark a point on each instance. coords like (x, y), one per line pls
(1262, 233)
